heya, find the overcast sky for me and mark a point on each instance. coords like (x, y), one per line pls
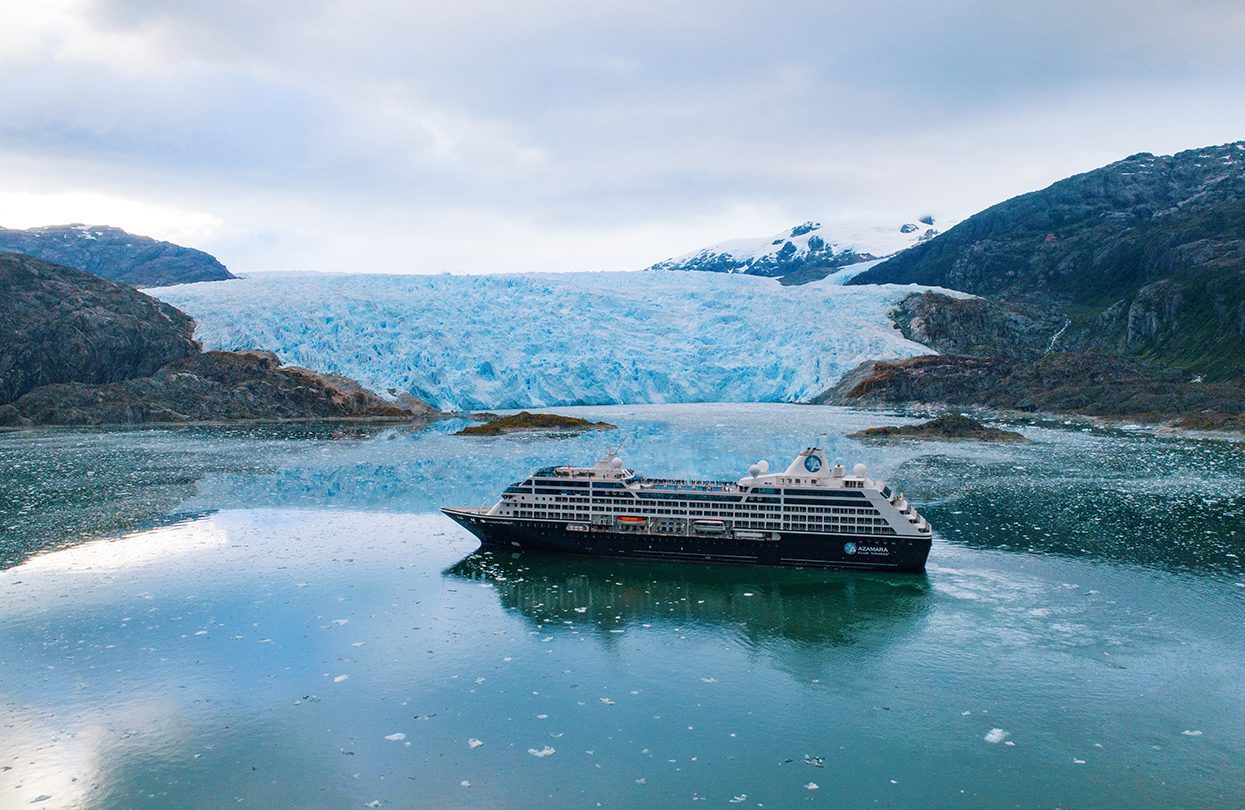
(502, 136)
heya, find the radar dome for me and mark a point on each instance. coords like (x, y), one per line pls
(860, 470)
(764, 465)
(616, 463)
(754, 470)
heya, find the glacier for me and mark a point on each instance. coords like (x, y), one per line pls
(534, 340)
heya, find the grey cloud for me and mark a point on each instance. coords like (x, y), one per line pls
(618, 116)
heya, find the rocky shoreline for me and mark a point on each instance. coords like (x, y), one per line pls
(995, 355)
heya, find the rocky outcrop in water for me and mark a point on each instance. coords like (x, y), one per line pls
(951, 427)
(60, 325)
(207, 387)
(525, 420)
(112, 253)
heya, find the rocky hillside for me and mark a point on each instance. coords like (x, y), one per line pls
(980, 327)
(207, 387)
(806, 252)
(139, 261)
(1145, 257)
(61, 325)
(78, 349)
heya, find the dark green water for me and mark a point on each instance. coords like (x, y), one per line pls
(272, 617)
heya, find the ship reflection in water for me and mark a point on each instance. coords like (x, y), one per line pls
(762, 605)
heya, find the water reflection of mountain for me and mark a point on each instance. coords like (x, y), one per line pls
(808, 608)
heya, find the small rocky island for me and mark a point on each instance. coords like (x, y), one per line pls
(525, 420)
(948, 427)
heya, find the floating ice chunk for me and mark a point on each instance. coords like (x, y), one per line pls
(465, 783)
(547, 751)
(341, 678)
(709, 680)
(542, 717)
(397, 736)
(996, 735)
(740, 799)
(340, 621)
(474, 743)
(607, 701)
(812, 786)
(357, 643)
(581, 610)
(1078, 762)
(1189, 733)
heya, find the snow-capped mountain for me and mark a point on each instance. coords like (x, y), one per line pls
(557, 339)
(808, 249)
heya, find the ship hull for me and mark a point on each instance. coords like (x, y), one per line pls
(790, 549)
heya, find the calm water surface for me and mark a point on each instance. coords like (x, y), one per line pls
(277, 617)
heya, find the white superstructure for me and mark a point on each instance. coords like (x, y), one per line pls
(810, 496)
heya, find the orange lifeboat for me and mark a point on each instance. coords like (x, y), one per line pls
(631, 519)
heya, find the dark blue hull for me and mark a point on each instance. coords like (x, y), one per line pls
(792, 549)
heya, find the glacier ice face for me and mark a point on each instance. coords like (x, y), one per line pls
(516, 341)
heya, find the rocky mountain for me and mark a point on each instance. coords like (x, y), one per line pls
(806, 252)
(59, 325)
(79, 349)
(112, 253)
(1144, 257)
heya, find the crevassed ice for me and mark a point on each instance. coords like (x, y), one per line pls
(532, 340)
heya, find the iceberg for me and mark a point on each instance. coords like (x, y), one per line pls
(539, 340)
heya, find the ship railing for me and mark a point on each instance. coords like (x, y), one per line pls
(672, 484)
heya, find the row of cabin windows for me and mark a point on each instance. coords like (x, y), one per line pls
(647, 506)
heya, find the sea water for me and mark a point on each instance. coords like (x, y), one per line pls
(276, 616)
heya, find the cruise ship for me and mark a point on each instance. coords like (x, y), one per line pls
(810, 515)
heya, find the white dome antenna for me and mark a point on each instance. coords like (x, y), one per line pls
(616, 463)
(860, 471)
(763, 465)
(754, 470)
